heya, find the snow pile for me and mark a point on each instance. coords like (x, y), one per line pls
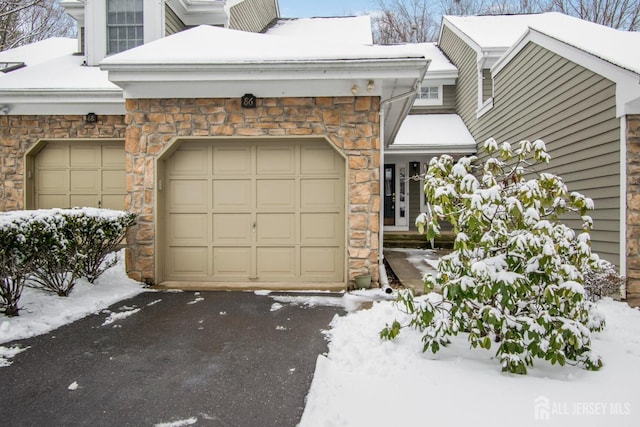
(42, 312)
(366, 381)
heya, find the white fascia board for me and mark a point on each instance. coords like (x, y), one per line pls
(74, 9)
(193, 12)
(329, 78)
(63, 102)
(435, 149)
(627, 82)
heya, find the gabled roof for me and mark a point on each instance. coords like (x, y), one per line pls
(611, 53)
(501, 32)
(346, 29)
(440, 68)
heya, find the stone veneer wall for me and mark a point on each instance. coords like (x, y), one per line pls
(350, 123)
(19, 133)
(633, 210)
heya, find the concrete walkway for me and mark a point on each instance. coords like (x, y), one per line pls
(410, 265)
(221, 358)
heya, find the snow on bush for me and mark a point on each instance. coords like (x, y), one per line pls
(50, 249)
(515, 276)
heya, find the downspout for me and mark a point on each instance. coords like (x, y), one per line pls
(382, 272)
(623, 204)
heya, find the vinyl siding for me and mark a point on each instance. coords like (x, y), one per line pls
(487, 85)
(448, 102)
(172, 23)
(253, 15)
(463, 57)
(540, 95)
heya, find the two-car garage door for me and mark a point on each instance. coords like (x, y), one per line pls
(264, 211)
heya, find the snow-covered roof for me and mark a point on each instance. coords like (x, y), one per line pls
(349, 29)
(503, 31)
(213, 45)
(54, 81)
(440, 66)
(41, 51)
(433, 133)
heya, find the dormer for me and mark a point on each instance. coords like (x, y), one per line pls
(437, 89)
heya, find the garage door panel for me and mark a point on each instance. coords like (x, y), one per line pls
(232, 229)
(53, 180)
(188, 194)
(83, 201)
(189, 261)
(231, 160)
(85, 156)
(320, 263)
(113, 201)
(85, 181)
(276, 229)
(189, 229)
(232, 194)
(320, 160)
(114, 181)
(320, 194)
(275, 160)
(54, 155)
(232, 262)
(276, 263)
(189, 160)
(113, 156)
(49, 201)
(275, 194)
(321, 228)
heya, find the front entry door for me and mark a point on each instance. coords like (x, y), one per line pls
(389, 194)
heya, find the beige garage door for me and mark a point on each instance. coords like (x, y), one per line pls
(80, 174)
(255, 211)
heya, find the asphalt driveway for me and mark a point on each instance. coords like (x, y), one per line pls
(221, 358)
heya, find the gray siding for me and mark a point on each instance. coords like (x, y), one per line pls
(540, 95)
(448, 102)
(253, 15)
(172, 23)
(487, 85)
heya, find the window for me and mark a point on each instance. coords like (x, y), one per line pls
(124, 25)
(429, 95)
(429, 92)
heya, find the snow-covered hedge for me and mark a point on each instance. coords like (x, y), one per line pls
(50, 249)
(516, 275)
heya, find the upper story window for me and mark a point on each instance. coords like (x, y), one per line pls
(125, 27)
(429, 95)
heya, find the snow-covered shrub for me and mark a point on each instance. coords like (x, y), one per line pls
(51, 249)
(98, 232)
(17, 257)
(604, 281)
(57, 263)
(79, 241)
(515, 276)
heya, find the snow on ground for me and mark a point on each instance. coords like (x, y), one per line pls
(41, 312)
(366, 381)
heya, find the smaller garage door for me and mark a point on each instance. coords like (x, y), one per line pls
(80, 174)
(255, 211)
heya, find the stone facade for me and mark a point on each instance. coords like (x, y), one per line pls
(633, 210)
(19, 133)
(350, 123)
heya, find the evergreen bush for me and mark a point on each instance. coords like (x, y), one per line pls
(515, 276)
